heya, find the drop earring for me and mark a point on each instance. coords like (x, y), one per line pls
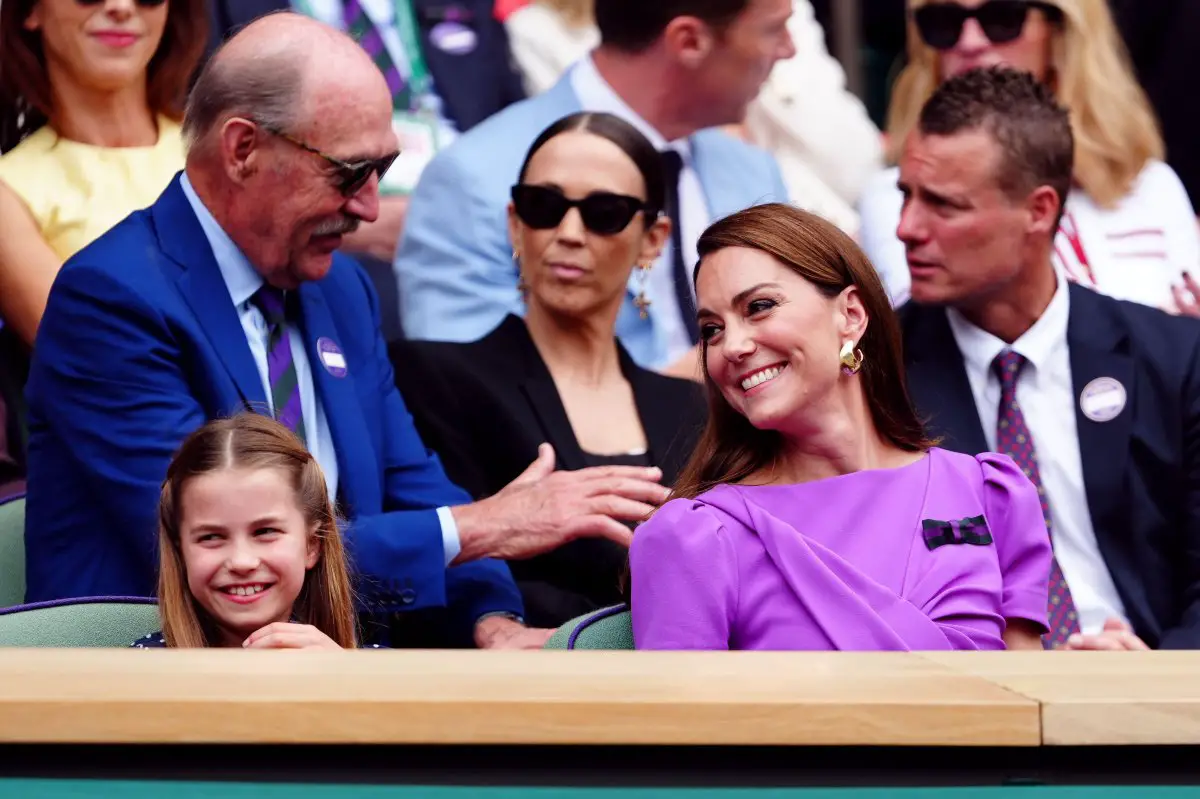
(851, 358)
(641, 301)
(522, 286)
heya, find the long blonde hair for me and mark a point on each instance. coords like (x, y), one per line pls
(576, 13)
(1116, 132)
(252, 441)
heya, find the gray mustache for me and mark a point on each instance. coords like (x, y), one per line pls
(337, 226)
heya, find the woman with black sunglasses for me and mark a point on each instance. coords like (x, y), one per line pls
(586, 222)
(91, 95)
(1129, 229)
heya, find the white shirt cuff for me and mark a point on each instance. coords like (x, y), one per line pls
(451, 545)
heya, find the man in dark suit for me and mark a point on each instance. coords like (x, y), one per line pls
(1097, 399)
(226, 295)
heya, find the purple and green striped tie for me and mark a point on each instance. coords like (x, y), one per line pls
(281, 369)
(361, 27)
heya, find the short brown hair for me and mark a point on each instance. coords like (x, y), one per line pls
(633, 25)
(731, 448)
(250, 440)
(25, 94)
(1034, 132)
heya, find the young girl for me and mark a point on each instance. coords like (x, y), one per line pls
(250, 551)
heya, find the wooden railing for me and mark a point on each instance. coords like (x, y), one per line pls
(921, 699)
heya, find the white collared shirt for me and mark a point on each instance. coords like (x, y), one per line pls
(595, 94)
(243, 281)
(1047, 399)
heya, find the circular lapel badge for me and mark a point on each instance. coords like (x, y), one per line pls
(331, 357)
(454, 38)
(1102, 400)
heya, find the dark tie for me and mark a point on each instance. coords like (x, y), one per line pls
(1013, 439)
(363, 29)
(673, 168)
(281, 370)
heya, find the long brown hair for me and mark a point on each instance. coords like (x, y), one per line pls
(26, 98)
(730, 448)
(252, 441)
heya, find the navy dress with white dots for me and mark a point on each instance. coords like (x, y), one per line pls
(156, 641)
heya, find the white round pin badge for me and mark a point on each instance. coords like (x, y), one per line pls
(1103, 399)
(331, 357)
(454, 38)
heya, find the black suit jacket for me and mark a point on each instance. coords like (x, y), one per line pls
(484, 407)
(473, 85)
(1141, 470)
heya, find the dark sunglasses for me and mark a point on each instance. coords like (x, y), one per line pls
(350, 176)
(603, 213)
(941, 24)
(142, 3)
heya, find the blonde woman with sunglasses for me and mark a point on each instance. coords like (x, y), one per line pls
(1129, 230)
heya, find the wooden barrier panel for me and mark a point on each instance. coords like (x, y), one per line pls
(199, 696)
(1098, 698)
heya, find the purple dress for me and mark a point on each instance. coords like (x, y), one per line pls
(890, 559)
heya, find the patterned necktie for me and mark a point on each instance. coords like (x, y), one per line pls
(362, 28)
(1013, 439)
(673, 167)
(281, 370)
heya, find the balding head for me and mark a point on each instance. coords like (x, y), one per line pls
(287, 127)
(281, 70)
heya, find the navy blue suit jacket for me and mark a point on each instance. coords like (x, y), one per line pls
(1141, 470)
(140, 345)
(473, 85)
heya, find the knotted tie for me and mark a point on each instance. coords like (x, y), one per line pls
(673, 168)
(1013, 439)
(281, 370)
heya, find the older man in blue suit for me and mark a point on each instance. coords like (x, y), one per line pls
(674, 69)
(226, 295)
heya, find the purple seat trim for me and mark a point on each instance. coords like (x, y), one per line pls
(86, 600)
(599, 615)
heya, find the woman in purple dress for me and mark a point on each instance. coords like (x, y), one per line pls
(814, 513)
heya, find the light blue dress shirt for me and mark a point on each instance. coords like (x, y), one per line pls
(243, 281)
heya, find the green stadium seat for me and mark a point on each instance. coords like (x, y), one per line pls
(88, 622)
(607, 628)
(12, 552)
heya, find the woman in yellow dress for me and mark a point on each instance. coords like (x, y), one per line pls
(91, 95)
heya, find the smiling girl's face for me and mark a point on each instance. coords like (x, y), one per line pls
(246, 548)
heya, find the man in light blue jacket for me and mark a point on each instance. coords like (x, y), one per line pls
(675, 69)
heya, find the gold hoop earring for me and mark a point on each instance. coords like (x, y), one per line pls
(851, 358)
(641, 301)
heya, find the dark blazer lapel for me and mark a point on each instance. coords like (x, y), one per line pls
(453, 74)
(339, 400)
(182, 240)
(937, 380)
(542, 395)
(659, 419)
(1099, 348)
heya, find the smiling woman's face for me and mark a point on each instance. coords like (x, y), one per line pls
(772, 339)
(104, 46)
